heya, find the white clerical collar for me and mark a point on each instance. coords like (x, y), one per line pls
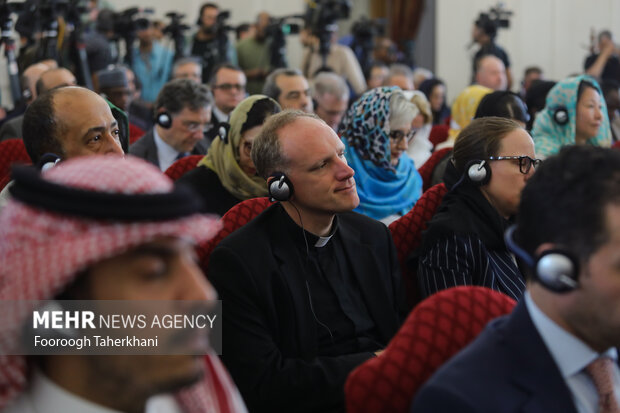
(322, 241)
(45, 396)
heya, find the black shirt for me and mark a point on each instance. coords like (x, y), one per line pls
(343, 322)
(611, 69)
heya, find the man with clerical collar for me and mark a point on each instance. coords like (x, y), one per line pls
(182, 114)
(104, 228)
(310, 289)
(557, 351)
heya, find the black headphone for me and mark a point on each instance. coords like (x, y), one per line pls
(222, 130)
(164, 119)
(555, 269)
(560, 116)
(280, 188)
(478, 173)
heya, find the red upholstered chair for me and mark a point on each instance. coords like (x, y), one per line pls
(435, 330)
(616, 145)
(407, 235)
(183, 165)
(426, 170)
(11, 151)
(235, 218)
(439, 133)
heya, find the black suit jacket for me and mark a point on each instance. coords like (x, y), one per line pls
(212, 130)
(146, 149)
(270, 338)
(507, 369)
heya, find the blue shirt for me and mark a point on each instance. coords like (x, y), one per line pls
(153, 69)
(571, 355)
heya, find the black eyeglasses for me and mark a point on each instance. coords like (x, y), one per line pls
(230, 86)
(399, 135)
(525, 162)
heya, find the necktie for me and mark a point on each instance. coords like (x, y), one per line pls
(181, 155)
(601, 372)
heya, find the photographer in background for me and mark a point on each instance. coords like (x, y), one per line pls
(604, 64)
(211, 41)
(254, 55)
(340, 60)
(151, 62)
(484, 32)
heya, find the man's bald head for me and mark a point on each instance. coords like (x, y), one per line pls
(29, 79)
(70, 122)
(491, 73)
(55, 78)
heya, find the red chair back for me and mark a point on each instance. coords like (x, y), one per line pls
(183, 165)
(12, 151)
(439, 133)
(426, 170)
(235, 218)
(435, 330)
(616, 145)
(407, 235)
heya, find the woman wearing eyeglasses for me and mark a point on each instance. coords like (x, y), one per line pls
(226, 175)
(376, 132)
(464, 245)
(575, 114)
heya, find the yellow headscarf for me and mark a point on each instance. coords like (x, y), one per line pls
(223, 158)
(464, 108)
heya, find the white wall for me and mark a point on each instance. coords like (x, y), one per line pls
(553, 34)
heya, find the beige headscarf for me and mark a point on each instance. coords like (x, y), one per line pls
(223, 158)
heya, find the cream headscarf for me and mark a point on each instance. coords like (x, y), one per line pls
(223, 158)
(463, 111)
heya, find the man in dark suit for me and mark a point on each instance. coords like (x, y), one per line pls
(557, 352)
(182, 112)
(310, 289)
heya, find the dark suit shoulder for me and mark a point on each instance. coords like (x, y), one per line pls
(206, 183)
(141, 146)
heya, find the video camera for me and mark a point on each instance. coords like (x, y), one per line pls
(277, 30)
(176, 29)
(497, 17)
(364, 33)
(321, 18)
(129, 21)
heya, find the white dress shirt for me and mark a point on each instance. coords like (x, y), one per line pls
(166, 154)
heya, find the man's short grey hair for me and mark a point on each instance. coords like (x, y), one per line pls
(185, 60)
(402, 111)
(179, 94)
(271, 89)
(420, 74)
(266, 150)
(402, 70)
(330, 83)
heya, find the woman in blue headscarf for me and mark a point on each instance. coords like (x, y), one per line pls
(376, 132)
(575, 114)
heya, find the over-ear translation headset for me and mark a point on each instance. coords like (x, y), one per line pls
(478, 172)
(560, 116)
(164, 119)
(280, 187)
(556, 269)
